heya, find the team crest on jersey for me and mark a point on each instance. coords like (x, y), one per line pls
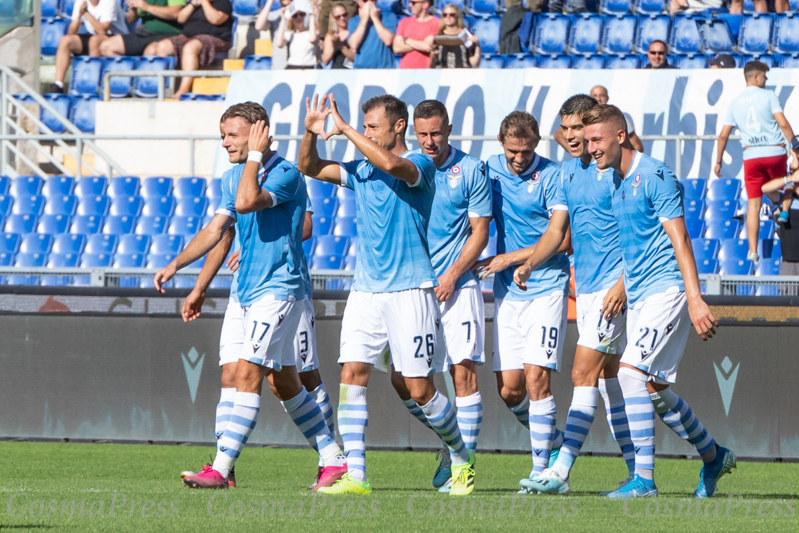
(454, 177)
(535, 179)
(636, 184)
(456, 170)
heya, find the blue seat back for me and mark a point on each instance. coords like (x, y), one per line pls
(151, 225)
(346, 208)
(486, 28)
(101, 243)
(36, 243)
(328, 262)
(156, 186)
(120, 85)
(551, 33)
(322, 225)
(83, 112)
(331, 245)
(257, 63)
(147, 87)
(126, 206)
(5, 183)
(492, 61)
(346, 226)
(618, 35)
(724, 189)
(124, 186)
(132, 243)
(651, 28)
(129, 260)
(191, 207)
(588, 61)
(95, 260)
(66, 8)
(166, 244)
(86, 224)
(612, 7)
(694, 209)
(33, 260)
(61, 104)
(736, 267)
(716, 36)
(28, 205)
(184, 225)
(118, 225)
(245, 8)
(9, 243)
(520, 61)
(94, 205)
(68, 243)
(694, 188)
(721, 209)
(91, 186)
(695, 226)
(555, 61)
(21, 223)
(733, 249)
(755, 34)
(707, 266)
(320, 189)
(705, 248)
(26, 186)
(786, 33)
(649, 7)
(308, 246)
(684, 37)
(721, 229)
(159, 206)
(485, 7)
(6, 201)
(189, 187)
(768, 267)
(86, 75)
(49, 8)
(56, 186)
(53, 224)
(770, 60)
(585, 34)
(51, 32)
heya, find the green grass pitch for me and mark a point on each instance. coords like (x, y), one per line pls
(108, 487)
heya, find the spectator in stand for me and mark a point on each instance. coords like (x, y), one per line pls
(326, 7)
(158, 20)
(693, 6)
(371, 36)
(207, 29)
(414, 38)
(450, 54)
(789, 236)
(99, 17)
(298, 33)
(512, 20)
(335, 48)
(721, 61)
(658, 50)
(270, 20)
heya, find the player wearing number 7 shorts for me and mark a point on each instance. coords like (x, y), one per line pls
(601, 313)
(529, 326)
(663, 300)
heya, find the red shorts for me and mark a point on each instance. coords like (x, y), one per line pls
(761, 170)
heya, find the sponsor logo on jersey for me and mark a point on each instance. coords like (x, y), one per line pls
(726, 376)
(193, 366)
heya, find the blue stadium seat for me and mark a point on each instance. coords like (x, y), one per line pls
(34, 260)
(101, 243)
(5, 183)
(133, 244)
(551, 33)
(91, 186)
(694, 209)
(167, 244)
(158, 186)
(245, 8)
(769, 267)
(65, 8)
(786, 34)
(151, 225)
(736, 267)
(755, 34)
(721, 209)
(159, 206)
(21, 223)
(696, 227)
(308, 246)
(187, 226)
(28, 205)
(189, 187)
(733, 249)
(688, 61)
(214, 190)
(53, 224)
(721, 229)
(51, 32)
(613, 7)
(86, 76)
(684, 37)
(618, 34)
(555, 61)
(346, 226)
(9, 243)
(120, 86)
(771, 60)
(221, 283)
(124, 186)
(649, 7)
(485, 7)
(157, 261)
(128, 260)
(492, 61)
(705, 248)
(68, 243)
(344, 193)
(327, 262)
(95, 260)
(767, 230)
(694, 188)
(94, 205)
(59, 260)
(353, 250)
(213, 205)
(651, 28)
(126, 206)
(257, 63)
(322, 225)
(148, 87)
(716, 36)
(707, 266)
(346, 208)
(331, 245)
(321, 189)
(56, 186)
(6, 202)
(325, 207)
(36, 243)
(588, 61)
(350, 262)
(520, 61)
(585, 34)
(191, 207)
(86, 224)
(49, 8)
(486, 28)
(491, 247)
(62, 104)
(119, 224)
(769, 249)
(724, 189)
(749, 7)
(26, 186)
(6, 259)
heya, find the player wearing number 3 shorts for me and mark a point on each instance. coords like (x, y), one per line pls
(663, 300)
(529, 326)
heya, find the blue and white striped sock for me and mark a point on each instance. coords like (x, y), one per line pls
(641, 417)
(578, 423)
(542, 431)
(416, 411)
(617, 419)
(679, 416)
(442, 418)
(238, 430)
(319, 394)
(305, 413)
(521, 412)
(470, 417)
(353, 417)
(224, 408)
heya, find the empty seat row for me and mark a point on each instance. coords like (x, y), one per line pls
(68, 243)
(740, 267)
(112, 224)
(724, 249)
(180, 188)
(133, 206)
(726, 229)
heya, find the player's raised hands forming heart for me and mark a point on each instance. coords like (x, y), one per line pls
(339, 124)
(316, 116)
(259, 140)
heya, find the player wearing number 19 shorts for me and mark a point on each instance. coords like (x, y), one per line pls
(663, 300)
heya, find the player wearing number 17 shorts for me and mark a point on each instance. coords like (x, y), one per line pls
(663, 300)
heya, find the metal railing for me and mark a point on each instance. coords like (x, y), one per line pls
(161, 76)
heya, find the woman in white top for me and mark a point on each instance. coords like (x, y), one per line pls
(298, 33)
(269, 19)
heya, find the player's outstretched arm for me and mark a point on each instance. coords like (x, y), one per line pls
(724, 136)
(250, 196)
(472, 249)
(547, 246)
(392, 164)
(201, 244)
(703, 320)
(193, 304)
(308, 160)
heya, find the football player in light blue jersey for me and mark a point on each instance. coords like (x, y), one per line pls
(529, 327)
(268, 209)
(393, 303)
(601, 299)
(758, 115)
(457, 234)
(663, 300)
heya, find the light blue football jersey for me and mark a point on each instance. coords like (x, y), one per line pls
(648, 196)
(588, 192)
(306, 276)
(392, 220)
(752, 112)
(462, 192)
(271, 258)
(521, 207)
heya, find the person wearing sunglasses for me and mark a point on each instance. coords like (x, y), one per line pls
(335, 48)
(298, 33)
(452, 52)
(658, 50)
(414, 36)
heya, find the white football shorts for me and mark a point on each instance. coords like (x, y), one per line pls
(596, 332)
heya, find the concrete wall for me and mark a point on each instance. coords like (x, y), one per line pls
(20, 48)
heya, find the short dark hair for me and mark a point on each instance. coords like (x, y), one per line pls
(430, 109)
(666, 46)
(393, 107)
(249, 111)
(601, 113)
(520, 125)
(577, 105)
(754, 67)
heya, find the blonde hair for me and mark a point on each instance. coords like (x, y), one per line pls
(458, 16)
(332, 27)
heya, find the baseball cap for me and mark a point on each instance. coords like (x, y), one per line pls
(722, 61)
